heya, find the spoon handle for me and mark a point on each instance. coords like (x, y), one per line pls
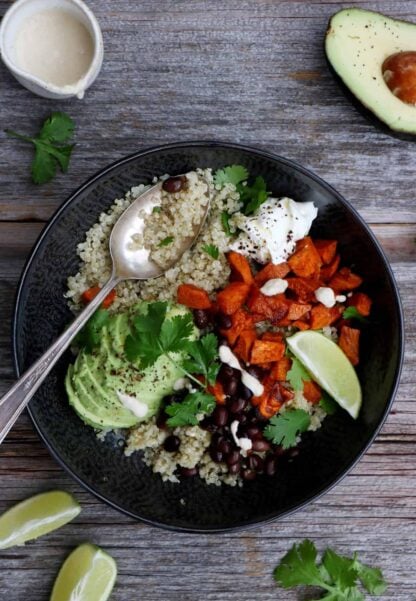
(16, 399)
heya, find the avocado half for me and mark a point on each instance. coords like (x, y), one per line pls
(357, 43)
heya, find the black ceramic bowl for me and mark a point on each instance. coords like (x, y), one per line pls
(126, 483)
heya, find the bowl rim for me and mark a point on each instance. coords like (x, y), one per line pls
(244, 524)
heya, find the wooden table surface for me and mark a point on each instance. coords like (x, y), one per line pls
(250, 71)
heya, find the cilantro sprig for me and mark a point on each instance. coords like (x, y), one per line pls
(211, 250)
(50, 149)
(337, 575)
(252, 196)
(155, 334)
(297, 374)
(284, 428)
(353, 313)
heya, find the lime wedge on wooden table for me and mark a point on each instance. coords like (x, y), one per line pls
(36, 516)
(330, 367)
(88, 574)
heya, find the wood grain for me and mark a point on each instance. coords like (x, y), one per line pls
(250, 71)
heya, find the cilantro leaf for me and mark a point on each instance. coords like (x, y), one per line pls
(211, 250)
(153, 319)
(371, 578)
(49, 153)
(233, 174)
(59, 128)
(336, 574)
(284, 428)
(185, 413)
(297, 375)
(166, 241)
(328, 404)
(156, 209)
(353, 313)
(253, 196)
(203, 357)
(175, 332)
(225, 222)
(90, 335)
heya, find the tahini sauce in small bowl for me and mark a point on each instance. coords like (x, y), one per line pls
(53, 47)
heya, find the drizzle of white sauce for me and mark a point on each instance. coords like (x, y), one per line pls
(54, 46)
(138, 408)
(252, 383)
(274, 286)
(340, 298)
(181, 383)
(243, 443)
(326, 296)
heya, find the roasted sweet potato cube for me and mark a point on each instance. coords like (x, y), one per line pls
(280, 369)
(312, 391)
(329, 270)
(304, 288)
(271, 271)
(266, 351)
(327, 250)
(345, 280)
(274, 336)
(362, 302)
(240, 268)
(193, 297)
(233, 297)
(349, 342)
(271, 307)
(305, 261)
(241, 320)
(244, 343)
(300, 324)
(322, 316)
(218, 392)
(298, 310)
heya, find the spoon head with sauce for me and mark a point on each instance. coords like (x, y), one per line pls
(132, 261)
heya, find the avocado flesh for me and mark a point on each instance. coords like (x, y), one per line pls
(93, 381)
(357, 43)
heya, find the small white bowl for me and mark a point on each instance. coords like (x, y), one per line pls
(10, 26)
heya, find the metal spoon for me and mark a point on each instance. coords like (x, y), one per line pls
(129, 262)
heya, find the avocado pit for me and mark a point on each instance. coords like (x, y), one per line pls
(399, 73)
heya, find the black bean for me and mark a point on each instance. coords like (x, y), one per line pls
(175, 184)
(254, 462)
(254, 432)
(270, 465)
(224, 321)
(161, 420)
(233, 457)
(279, 451)
(216, 456)
(225, 447)
(255, 371)
(220, 416)
(230, 386)
(201, 318)
(244, 392)
(234, 468)
(261, 446)
(248, 474)
(237, 405)
(292, 453)
(172, 444)
(225, 373)
(240, 417)
(208, 424)
(217, 437)
(188, 472)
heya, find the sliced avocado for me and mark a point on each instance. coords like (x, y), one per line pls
(95, 379)
(357, 43)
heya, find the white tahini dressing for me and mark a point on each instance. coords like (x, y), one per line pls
(271, 234)
(243, 443)
(326, 296)
(54, 46)
(137, 407)
(252, 383)
(274, 286)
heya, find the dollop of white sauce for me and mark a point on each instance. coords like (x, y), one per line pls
(326, 296)
(274, 286)
(137, 407)
(340, 298)
(181, 383)
(243, 443)
(252, 383)
(271, 233)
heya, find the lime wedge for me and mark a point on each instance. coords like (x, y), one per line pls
(88, 574)
(36, 516)
(329, 366)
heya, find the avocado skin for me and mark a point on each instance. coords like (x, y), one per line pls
(358, 105)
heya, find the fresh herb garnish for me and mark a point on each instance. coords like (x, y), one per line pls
(233, 174)
(339, 576)
(284, 428)
(328, 404)
(253, 196)
(90, 335)
(185, 413)
(225, 222)
(49, 152)
(155, 335)
(353, 313)
(211, 250)
(166, 241)
(297, 375)
(156, 209)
